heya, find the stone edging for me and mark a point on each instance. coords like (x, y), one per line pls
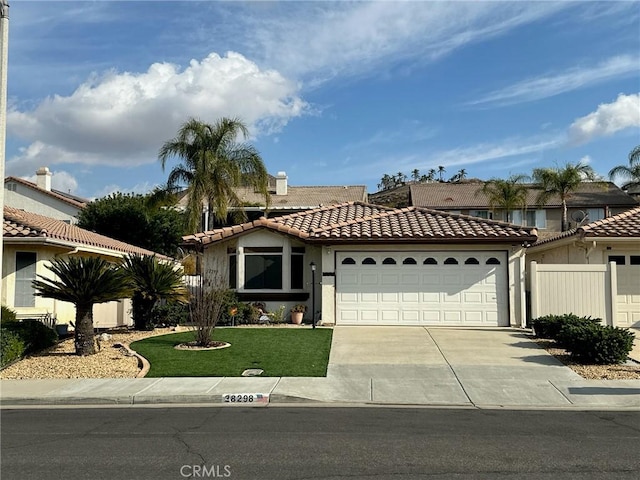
(143, 363)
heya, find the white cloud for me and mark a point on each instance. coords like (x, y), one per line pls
(608, 119)
(123, 118)
(586, 160)
(328, 39)
(555, 84)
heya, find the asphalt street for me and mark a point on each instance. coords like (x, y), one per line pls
(317, 443)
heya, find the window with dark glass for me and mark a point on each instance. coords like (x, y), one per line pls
(25, 274)
(233, 268)
(634, 260)
(368, 261)
(349, 261)
(471, 261)
(297, 267)
(451, 261)
(263, 268)
(617, 259)
(388, 261)
(409, 261)
(493, 261)
(430, 261)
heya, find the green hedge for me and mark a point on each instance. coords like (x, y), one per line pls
(8, 315)
(550, 326)
(586, 340)
(12, 346)
(590, 343)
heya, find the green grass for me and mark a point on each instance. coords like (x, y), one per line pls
(280, 352)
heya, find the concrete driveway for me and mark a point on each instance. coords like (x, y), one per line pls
(448, 365)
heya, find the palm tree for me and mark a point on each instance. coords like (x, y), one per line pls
(462, 174)
(151, 282)
(562, 182)
(431, 175)
(83, 281)
(441, 171)
(508, 195)
(214, 164)
(415, 175)
(630, 172)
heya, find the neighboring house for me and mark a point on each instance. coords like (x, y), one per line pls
(40, 198)
(592, 201)
(376, 265)
(31, 242)
(593, 270)
(286, 199)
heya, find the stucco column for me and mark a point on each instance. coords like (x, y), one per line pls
(4, 53)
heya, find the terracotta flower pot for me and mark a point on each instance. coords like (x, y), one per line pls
(296, 317)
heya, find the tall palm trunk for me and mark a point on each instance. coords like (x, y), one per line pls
(565, 219)
(84, 341)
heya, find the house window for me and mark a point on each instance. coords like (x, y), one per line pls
(409, 261)
(388, 261)
(233, 269)
(634, 260)
(530, 218)
(297, 267)
(471, 261)
(368, 261)
(263, 268)
(493, 261)
(455, 212)
(430, 261)
(486, 214)
(451, 261)
(25, 274)
(617, 259)
(594, 214)
(349, 261)
(11, 186)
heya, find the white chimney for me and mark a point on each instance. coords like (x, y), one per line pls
(44, 178)
(281, 183)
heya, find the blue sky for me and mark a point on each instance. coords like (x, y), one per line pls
(334, 93)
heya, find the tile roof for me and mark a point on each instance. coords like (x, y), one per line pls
(64, 197)
(301, 197)
(468, 195)
(21, 224)
(357, 221)
(622, 225)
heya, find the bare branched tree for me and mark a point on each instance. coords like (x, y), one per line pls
(208, 298)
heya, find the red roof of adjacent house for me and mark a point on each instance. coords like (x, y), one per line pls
(456, 196)
(622, 225)
(356, 221)
(21, 224)
(64, 197)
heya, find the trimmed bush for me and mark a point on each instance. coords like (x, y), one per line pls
(35, 335)
(550, 326)
(170, 315)
(8, 315)
(12, 346)
(592, 343)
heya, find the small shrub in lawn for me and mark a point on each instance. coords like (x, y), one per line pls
(35, 334)
(591, 343)
(12, 346)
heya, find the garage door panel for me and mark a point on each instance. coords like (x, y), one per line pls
(410, 297)
(451, 294)
(369, 297)
(369, 279)
(389, 297)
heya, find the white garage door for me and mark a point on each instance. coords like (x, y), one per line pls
(444, 288)
(628, 297)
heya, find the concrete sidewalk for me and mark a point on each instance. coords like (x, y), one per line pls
(475, 368)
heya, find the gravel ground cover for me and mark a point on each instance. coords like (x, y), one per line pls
(114, 362)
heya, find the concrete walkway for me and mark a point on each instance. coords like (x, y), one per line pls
(475, 368)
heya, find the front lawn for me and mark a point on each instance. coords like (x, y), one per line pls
(280, 352)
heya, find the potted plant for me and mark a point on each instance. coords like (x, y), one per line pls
(297, 312)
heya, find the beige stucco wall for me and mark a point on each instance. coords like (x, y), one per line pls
(107, 315)
(30, 200)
